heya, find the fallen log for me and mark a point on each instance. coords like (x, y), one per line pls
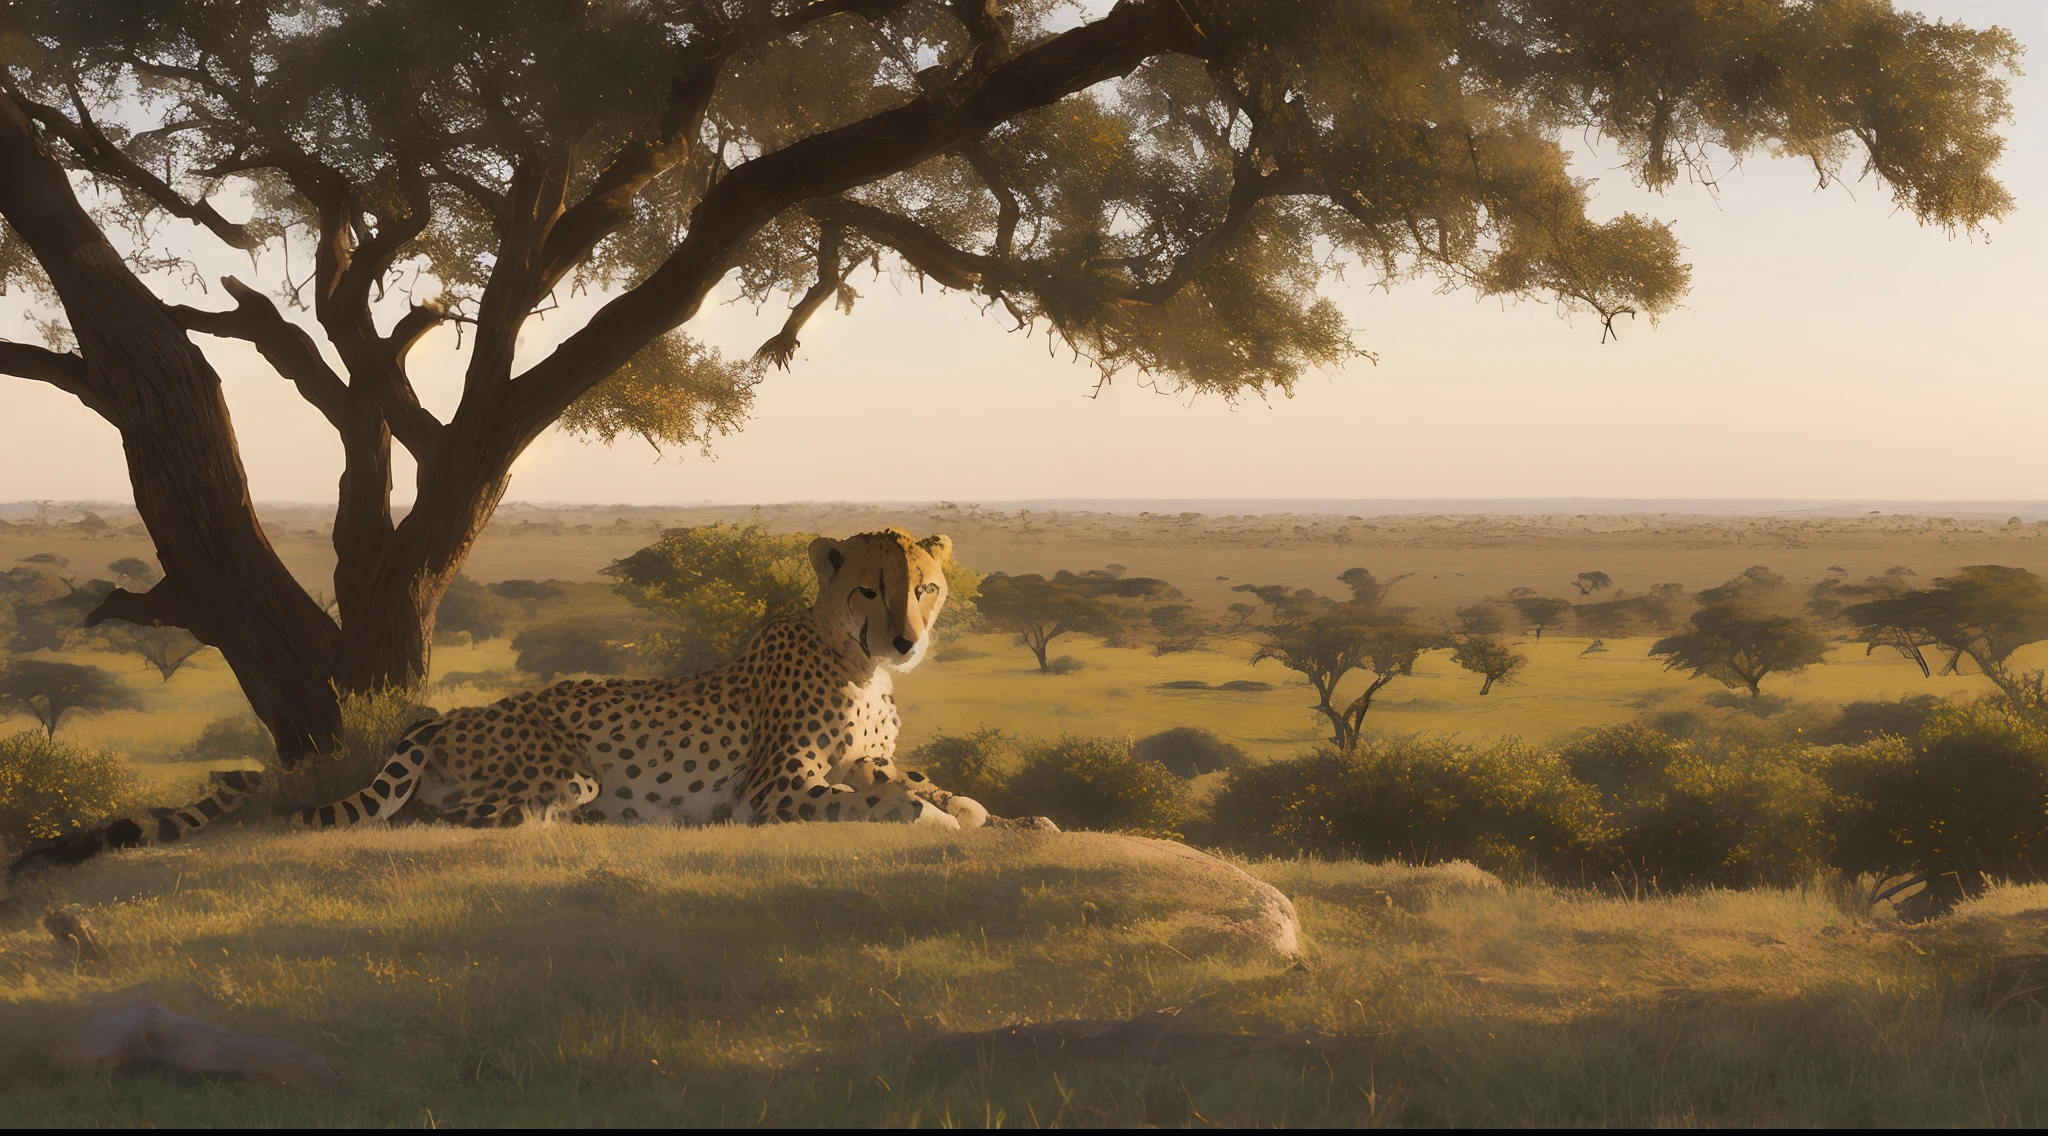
(151, 1036)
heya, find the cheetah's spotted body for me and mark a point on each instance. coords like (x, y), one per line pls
(800, 725)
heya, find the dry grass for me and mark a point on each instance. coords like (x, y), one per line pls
(787, 976)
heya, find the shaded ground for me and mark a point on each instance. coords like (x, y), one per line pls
(786, 976)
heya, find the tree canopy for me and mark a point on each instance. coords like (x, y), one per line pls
(1985, 613)
(712, 585)
(1039, 610)
(49, 690)
(1162, 185)
(1737, 643)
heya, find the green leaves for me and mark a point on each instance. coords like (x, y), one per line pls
(675, 392)
(713, 585)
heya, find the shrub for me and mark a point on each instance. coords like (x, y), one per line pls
(572, 648)
(1961, 803)
(1507, 807)
(1190, 751)
(1097, 783)
(371, 725)
(978, 765)
(1741, 819)
(1865, 721)
(49, 788)
(1064, 665)
(1687, 814)
(230, 738)
(471, 607)
(525, 590)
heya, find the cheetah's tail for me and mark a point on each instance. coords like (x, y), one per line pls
(231, 790)
(389, 792)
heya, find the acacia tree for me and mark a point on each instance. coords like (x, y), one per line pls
(1327, 646)
(1736, 644)
(1985, 613)
(49, 690)
(1492, 660)
(1158, 184)
(1039, 610)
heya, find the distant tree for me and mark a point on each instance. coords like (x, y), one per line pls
(1611, 617)
(1278, 598)
(1329, 645)
(574, 648)
(1490, 659)
(1038, 610)
(1832, 594)
(1243, 612)
(1540, 613)
(712, 586)
(469, 607)
(50, 690)
(1190, 751)
(1737, 644)
(1984, 613)
(1591, 582)
(1366, 589)
(1175, 628)
(1753, 585)
(167, 649)
(1482, 618)
(1660, 607)
(44, 624)
(525, 590)
(135, 573)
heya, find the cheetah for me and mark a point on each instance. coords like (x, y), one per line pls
(800, 725)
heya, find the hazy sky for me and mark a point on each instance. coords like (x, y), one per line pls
(1830, 348)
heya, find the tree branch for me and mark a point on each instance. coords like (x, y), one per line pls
(1010, 210)
(64, 370)
(282, 343)
(164, 605)
(831, 277)
(827, 164)
(96, 152)
(923, 248)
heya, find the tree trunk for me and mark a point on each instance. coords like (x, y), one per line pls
(1486, 686)
(222, 580)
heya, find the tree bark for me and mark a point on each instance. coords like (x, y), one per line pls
(223, 581)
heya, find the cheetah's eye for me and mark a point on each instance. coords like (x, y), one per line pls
(868, 592)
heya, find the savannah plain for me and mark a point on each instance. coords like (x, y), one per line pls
(789, 975)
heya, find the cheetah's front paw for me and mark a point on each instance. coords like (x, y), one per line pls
(967, 811)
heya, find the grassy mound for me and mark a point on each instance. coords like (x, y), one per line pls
(791, 975)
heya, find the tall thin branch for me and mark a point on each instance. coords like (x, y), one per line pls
(98, 153)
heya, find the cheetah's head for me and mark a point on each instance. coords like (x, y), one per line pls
(881, 592)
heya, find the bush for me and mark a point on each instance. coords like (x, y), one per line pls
(371, 725)
(1098, 783)
(1684, 813)
(977, 765)
(1961, 803)
(525, 590)
(49, 788)
(468, 606)
(228, 739)
(572, 648)
(1064, 665)
(1508, 808)
(1190, 751)
(1865, 721)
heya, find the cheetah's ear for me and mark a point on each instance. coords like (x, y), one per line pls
(940, 546)
(826, 558)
